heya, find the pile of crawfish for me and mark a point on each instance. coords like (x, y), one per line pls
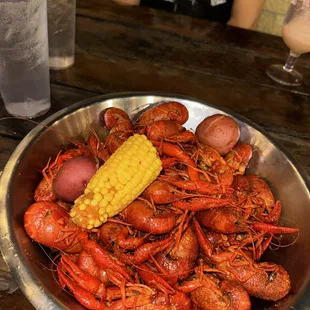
(192, 240)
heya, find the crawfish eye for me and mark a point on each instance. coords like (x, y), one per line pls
(47, 213)
(271, 275)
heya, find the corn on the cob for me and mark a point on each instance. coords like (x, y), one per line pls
(123, 177)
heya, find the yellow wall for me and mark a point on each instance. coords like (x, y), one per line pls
(272, 16)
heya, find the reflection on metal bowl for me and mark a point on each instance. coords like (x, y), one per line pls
(22, 174)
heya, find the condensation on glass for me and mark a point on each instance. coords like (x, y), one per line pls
(61, 32)
(24, 70)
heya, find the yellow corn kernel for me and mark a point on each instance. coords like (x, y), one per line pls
(123, 177)
(87, 201)
(82, 206)
(97, 197)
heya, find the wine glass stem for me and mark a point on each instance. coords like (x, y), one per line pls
(290, 62)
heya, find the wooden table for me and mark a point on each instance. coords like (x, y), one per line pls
(137, 49)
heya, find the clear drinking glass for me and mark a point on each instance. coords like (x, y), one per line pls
(24, 71)
(296, 35)
(61, 33)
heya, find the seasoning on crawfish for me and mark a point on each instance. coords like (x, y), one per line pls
(157, 253)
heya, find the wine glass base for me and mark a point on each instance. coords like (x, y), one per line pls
(278, 74)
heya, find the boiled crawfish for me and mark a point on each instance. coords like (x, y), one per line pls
(49, 224)
(262, 280)
(154, 254)
(165, 111)
(208, 292)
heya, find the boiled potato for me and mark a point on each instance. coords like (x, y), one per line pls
(73, 176)
(219, 131)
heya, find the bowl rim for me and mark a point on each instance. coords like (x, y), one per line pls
(39, 297)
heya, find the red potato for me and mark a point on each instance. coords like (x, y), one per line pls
(219, 131)
(73, 177)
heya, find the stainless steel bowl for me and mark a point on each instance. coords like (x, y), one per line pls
(29, 264)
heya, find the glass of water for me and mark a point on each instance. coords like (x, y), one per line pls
(24, 70)
(61, 33)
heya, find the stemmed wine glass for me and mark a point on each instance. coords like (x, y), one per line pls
(296, 35)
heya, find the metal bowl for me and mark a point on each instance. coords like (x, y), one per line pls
(30, 265)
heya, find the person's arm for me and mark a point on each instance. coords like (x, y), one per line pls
(245, 13)
(128, 2)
